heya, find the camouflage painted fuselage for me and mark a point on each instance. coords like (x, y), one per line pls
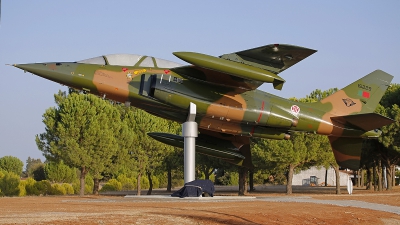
(227, 104)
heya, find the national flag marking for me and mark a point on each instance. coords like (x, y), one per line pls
(364, 94)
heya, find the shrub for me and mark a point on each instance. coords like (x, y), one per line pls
(9, 184)
(22, 189)
(112, 185)
(144, 184)
(43, 187)
(156, 182)
(68, 188)
(30, 187)
(88, 189)
(76, 186)
(128, 187)
(127, 183)
(163, 179)
(57, 189)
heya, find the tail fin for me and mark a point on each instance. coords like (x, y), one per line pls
(353, 106)
(361, 96)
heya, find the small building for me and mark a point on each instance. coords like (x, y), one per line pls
(315, 176)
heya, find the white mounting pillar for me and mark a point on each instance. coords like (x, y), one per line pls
(189, 132)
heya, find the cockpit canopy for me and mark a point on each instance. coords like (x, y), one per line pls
(130, 60)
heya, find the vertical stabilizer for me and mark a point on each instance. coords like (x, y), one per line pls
(362, 96)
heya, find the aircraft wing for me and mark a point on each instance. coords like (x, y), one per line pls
(366, 122)
(275, 57)
(246, 69)
(230, 148)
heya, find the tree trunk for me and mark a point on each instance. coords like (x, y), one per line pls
(139, 177)
(337, 176)
(375, 177)
(82, 181)
(394, 175)
(379, 172)
(356, 177)
(169, 185)
(326, 177)
(242, 180)
(369, 178)
(362, 182)
(96, 186)
(251, 180)
(150, 182)
(389, 177)
(289, 178)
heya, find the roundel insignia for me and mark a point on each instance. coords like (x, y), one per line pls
(295, 109)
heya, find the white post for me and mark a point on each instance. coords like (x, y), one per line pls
(189, 132)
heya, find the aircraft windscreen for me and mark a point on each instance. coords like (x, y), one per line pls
(97, 60)
(130, 60)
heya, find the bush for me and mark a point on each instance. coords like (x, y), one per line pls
(9, 184)
(144, 184)
(38, 172)
(30, 187)
(89, 183)
(127, 183)
(42, 187)
(128, 187)
(112, 185)
(156, 182)
(57, 189)
(22, 189)
(163, 179)
(68, 188)
(76, 185)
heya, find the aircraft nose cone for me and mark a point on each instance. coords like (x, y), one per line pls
(32, 67)
(58, 72)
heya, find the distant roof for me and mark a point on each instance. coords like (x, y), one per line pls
(130, 60)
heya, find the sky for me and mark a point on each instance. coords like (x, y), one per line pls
(353, 38)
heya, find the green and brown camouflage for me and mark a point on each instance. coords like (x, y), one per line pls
(230, 109)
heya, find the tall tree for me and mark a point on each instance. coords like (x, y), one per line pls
(11, 164)
(81, 132)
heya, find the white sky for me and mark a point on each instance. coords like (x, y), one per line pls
(353, 38)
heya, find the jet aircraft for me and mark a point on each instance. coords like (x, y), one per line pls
(230, 109)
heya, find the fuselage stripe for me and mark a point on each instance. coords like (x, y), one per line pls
(261, 113)
(259, 117)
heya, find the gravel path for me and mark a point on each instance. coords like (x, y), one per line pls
(344, 203)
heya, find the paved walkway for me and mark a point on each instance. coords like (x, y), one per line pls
(345, 203)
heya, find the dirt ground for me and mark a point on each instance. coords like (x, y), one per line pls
(268, 206)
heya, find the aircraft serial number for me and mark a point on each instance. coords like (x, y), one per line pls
(365, 87)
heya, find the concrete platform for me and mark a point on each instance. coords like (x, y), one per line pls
(169, 197)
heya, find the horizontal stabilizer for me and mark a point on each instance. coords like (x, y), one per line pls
(366, 122)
